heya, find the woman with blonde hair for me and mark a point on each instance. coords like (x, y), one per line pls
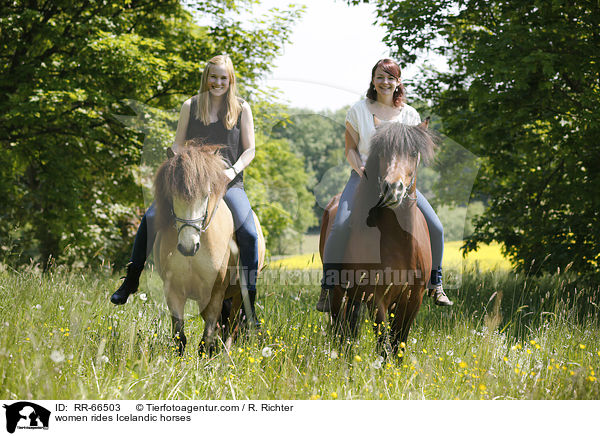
(215, 116)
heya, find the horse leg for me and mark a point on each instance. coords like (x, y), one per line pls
(224, 320)
(401, 325)
(380, 329)
(176, 304)
(210, 315)
(354, 318)
(231, 318)
(338, 309)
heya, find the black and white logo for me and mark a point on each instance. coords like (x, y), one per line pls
(26, 415)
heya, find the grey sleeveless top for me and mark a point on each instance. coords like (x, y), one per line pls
(217, 134)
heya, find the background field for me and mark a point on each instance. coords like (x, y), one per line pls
(488, 257)
(507, 337)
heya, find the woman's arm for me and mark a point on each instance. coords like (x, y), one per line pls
(352, 155)
(182, 124)
(248, 143)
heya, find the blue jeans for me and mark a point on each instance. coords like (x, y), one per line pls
(245, 231)
(335, 245)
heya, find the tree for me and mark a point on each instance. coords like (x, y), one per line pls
(68, 68)
(277, 189)
(318, 138)
(524, 95)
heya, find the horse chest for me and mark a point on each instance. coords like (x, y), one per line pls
(194, 276)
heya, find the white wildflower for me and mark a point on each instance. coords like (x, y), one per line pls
(267, 352)
(57, 356)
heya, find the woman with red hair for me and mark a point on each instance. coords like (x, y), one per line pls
(385, 102)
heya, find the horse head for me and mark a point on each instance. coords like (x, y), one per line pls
(396, 151)
(188, 188)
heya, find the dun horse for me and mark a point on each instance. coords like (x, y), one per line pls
(195, 251)
(387, 261)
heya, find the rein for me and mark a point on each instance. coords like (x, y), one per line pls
(205, 219)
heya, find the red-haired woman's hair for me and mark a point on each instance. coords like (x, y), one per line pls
(393, 69)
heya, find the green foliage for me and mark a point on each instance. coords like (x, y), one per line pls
(523, 95)
(68, 186)
(318, 137)
(276, 186)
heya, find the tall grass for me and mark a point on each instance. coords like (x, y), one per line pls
(508, 336)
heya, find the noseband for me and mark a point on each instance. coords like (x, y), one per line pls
(205, 220)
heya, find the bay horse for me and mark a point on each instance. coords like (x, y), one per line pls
(387, 260)
(195, 251)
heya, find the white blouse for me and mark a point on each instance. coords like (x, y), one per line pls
(361, 119)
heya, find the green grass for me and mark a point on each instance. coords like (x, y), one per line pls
(508, 336)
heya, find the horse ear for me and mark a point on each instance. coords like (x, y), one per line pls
(170, 152)
(425, 124)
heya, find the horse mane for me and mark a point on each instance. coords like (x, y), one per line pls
(188, 175)
(400, 140)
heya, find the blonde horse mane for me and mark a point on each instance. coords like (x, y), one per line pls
(190, 174)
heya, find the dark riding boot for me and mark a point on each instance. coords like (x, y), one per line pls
(255, 320)
(324, 303)
(330, 279)
(129, 285)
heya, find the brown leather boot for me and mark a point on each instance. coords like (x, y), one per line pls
(439, 296)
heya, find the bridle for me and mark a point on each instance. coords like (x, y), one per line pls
(205, 220)
(387, 198)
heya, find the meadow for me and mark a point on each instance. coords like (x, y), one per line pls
(508, 336)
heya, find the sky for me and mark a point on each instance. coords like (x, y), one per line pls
(333, 48)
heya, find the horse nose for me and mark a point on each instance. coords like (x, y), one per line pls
(186, 252)
(189, 252)
(397, 190)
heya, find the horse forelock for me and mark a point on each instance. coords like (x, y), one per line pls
(397, 140)
(188, 175)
